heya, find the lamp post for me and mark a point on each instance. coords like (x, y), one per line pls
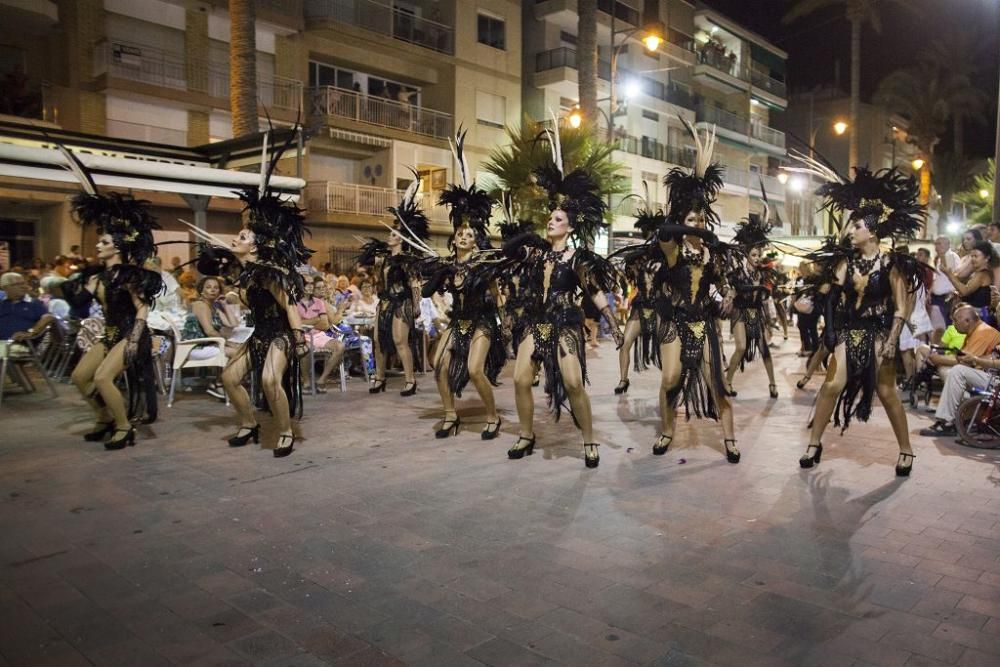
(654, 29)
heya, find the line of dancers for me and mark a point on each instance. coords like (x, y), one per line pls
(527, 294)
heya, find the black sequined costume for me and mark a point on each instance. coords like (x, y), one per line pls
(271, 325)
(691, 278)
(749, 307)
(555, 322)
(473, 308)
(394, 276)
(643, 266)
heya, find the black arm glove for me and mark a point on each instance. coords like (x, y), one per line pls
(437, 281)
(512, 249)
(134, 340)
(829, 315)
(667, 233)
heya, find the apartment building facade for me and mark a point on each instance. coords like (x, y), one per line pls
(709, 71)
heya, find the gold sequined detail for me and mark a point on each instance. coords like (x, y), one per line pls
(464, 326)
(857, 336)
(647, 313)
(751, 315)
(545, 331)
(697, 328)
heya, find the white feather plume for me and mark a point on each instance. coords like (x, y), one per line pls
(557, 157)
(458, 151)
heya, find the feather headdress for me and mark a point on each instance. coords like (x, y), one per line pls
(468, 204)
(698, 190)
(754, 231)
(647, 221)
(279, 226)
(511, 226)
(411, 222)
(578, 193)
(125, 218)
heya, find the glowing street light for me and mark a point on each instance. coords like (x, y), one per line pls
(918, 164)
(575, 118)
(631, 89)
(797, 184)
(783, 177)
(984, 193)
(840, 127)
(652, 42)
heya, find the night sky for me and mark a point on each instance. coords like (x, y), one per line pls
(814, 44)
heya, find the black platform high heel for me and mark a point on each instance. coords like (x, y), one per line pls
(801, 384)
(281, 450)
(517, 452)
(622, 387)
(409, 390)
(808, 461)
(128, 440)
(492, 429)
(732, 454)
(448, 427)
(252, 433)
(591, 458)
(660, 448)
(773, 390)
(729, 389)
(100, 433)
(377, 386)
(901, 470)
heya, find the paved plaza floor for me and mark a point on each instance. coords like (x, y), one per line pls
(376, 544)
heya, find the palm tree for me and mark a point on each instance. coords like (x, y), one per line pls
(243, 67)
(919, 95)
(957, 57)
(951, 176)
(586, 57)
(980, 208)
(514, 163)
(858, 12)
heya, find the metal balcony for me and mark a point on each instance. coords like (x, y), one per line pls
(156, 67)
(366, 200)
(385, 19)
(330, 101)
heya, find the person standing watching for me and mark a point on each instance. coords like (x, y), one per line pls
(945, 260)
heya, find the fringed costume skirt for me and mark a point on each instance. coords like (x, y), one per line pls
(140, 375)
(558, 334)
(697, 331)
(860, 342)
(390, 307)
(291, 380)
(654, 317)
(754, 322)
(462, 333)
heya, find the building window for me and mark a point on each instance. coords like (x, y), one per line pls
(567, 38)
(650, 115)
(491, 110)
(492, 32)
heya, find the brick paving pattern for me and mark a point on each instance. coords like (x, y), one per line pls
(375, 544)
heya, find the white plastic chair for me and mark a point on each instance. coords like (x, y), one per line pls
(15, 359)
(183, 360)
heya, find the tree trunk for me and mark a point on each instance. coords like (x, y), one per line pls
(243, 67)
(852, 155)
(958, 137)
(586, 58)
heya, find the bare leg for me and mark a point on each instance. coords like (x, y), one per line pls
(909, 363)
(525, 370)
(377, 350)
(401, 337)
(579, 401)
(274, 369)
(336, 349)
(83, 378)
(478, 350)
(442, 361)
(886, 390)
(104, 380)
(232, 381)
(670, 376)
(740, 338)
(632, 329)
(725, 407)
(836, 378)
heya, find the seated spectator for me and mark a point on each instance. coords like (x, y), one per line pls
(367, 305)
(980, 342)
(20, 319)
(975, 290)
(342, 291)
(209, 319)
(317, 313)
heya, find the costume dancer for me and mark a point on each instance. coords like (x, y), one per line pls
(873, 291)
(262, 263)
(520, 289)
(749, 317)
(695, 262)
(553, 335)
(395, 271)
(648, 320)
(472, 347)
(125, 291)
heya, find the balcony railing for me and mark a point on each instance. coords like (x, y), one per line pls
(360, 199)
(172, 70)
(724, 119)
(291, 8)
(342, 103)
(768, 135)
(653, 149)
(768, 84)
(386, 19)
(565, 56)
(121, 129)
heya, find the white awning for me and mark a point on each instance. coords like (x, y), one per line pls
(49, 164)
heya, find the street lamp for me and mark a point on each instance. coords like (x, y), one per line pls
(575, 118)
(783, 177)
(654, 30)
(984, 193)
(840, 127)
(917, 164)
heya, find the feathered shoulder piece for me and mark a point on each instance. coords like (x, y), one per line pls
(146, 284)
(698, 190)
(602, 273)
(914, 272)
(578, 193)
(215, 260)
(752, 233)
(260, 274)
(886, 200)
(279, 226)
(468, 204)
(648, 220)
(515, 247)
(370, 251)
(828, 257)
